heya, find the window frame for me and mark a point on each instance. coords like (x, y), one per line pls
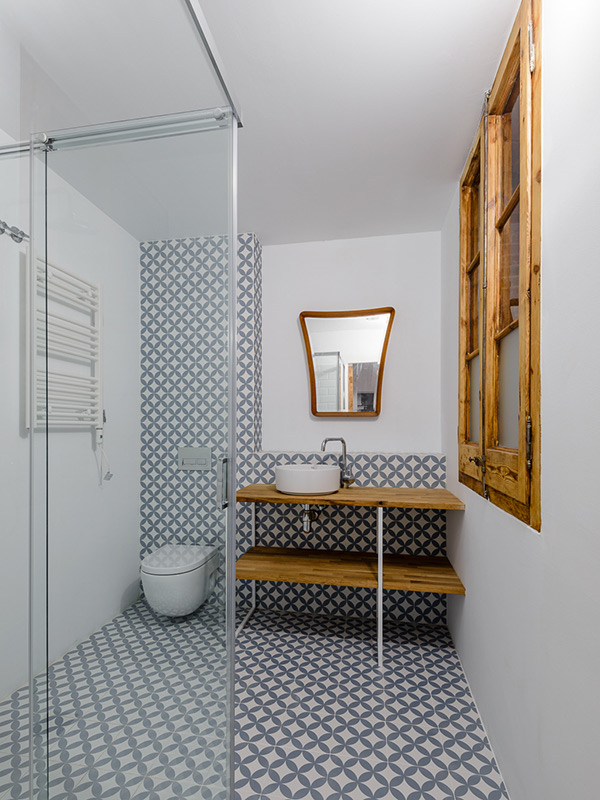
(508, 477)
(470, 449)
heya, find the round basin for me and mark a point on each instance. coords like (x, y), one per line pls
(307, 478)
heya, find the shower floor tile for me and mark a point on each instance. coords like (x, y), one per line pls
(315, 718)
(137, 710)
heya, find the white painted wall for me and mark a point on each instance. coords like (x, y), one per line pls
(14, 458)
(23, 90)
(402, 271)
(527, 631)
(94, 531)
(10, 68)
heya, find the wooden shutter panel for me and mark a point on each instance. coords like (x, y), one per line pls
(503, 462)
(470, 450)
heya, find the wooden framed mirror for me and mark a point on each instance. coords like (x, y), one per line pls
(345, 351)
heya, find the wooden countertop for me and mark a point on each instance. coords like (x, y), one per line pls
(376, 496)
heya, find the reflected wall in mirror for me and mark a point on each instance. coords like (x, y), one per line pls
(346, 351)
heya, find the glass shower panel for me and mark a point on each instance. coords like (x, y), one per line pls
(23, 688)
(83, 63)
(42, 721)
(139, 270)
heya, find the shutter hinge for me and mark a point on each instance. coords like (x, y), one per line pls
(531, 48)
(529, 450)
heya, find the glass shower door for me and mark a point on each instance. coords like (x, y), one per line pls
(23, 697)
(40, 720)
(133, 229)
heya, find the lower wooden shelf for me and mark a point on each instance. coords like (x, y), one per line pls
(343, 568)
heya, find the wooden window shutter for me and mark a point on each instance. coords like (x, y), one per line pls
(503, 461)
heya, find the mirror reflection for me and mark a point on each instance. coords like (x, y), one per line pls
(346, 353)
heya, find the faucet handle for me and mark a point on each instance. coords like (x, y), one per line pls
(347, 478)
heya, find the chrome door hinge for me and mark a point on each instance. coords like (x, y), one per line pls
(529, 449)
(531, 48)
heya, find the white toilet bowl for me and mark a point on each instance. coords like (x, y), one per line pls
(177, 578)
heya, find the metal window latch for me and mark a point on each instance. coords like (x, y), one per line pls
(529, 445)
(479, 461)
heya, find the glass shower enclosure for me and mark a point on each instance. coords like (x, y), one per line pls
(131, 266)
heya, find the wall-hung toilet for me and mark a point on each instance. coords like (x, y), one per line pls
(177, 578)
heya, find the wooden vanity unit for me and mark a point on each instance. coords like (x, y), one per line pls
(347, 568)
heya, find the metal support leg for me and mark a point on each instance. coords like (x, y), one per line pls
(242, 624)
(240, 627)
(380, 587)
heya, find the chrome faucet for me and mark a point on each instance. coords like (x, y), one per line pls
(346, 476)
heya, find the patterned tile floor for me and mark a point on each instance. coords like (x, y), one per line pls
(315, 719)
(137, 712)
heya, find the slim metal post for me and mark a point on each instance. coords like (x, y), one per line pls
(380, 587)
(253, 545)
(240, 627)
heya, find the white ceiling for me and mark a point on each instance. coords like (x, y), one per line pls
(97, 61)
(357, 116)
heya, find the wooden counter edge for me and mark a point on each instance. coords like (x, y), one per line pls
(365, 496)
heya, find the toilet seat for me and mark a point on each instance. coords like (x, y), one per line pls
(175, 559)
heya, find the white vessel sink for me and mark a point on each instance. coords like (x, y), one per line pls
(307, 478)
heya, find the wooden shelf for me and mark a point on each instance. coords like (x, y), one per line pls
(343, 568)
(375, 496)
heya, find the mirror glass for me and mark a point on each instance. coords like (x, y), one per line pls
(346, 354)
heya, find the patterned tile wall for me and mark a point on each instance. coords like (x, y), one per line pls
(258, 343)
(249, 344)
(184, 374)
(414, 532)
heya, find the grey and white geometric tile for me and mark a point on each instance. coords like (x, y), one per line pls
(329, 731)
(184, 285)
(142, 699)
(98, 783)
(314, 718)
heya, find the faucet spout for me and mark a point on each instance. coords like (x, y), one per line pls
(346, 476)
(336, 439)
